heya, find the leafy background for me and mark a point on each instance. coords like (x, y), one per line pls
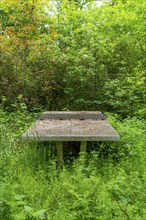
(69, 57)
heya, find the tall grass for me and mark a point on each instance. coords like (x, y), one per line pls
(106, 183)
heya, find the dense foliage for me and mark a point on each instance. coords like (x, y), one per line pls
(73, 55)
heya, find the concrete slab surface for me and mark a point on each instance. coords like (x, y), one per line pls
(71, 126)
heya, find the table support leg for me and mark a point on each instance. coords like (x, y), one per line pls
(59, 152)
(83, 146)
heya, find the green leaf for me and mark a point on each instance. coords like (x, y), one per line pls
(28, 208)
(39, 213)
(19, 217)
(19, 197)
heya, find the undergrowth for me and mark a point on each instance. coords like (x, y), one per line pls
(106, 183)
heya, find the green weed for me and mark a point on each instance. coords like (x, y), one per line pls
(107, 183)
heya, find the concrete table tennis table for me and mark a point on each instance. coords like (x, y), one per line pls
(79, 126)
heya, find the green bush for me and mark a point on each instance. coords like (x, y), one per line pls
(74, 57)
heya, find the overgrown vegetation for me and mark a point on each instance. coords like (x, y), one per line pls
(107, 183)
(72, 55)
